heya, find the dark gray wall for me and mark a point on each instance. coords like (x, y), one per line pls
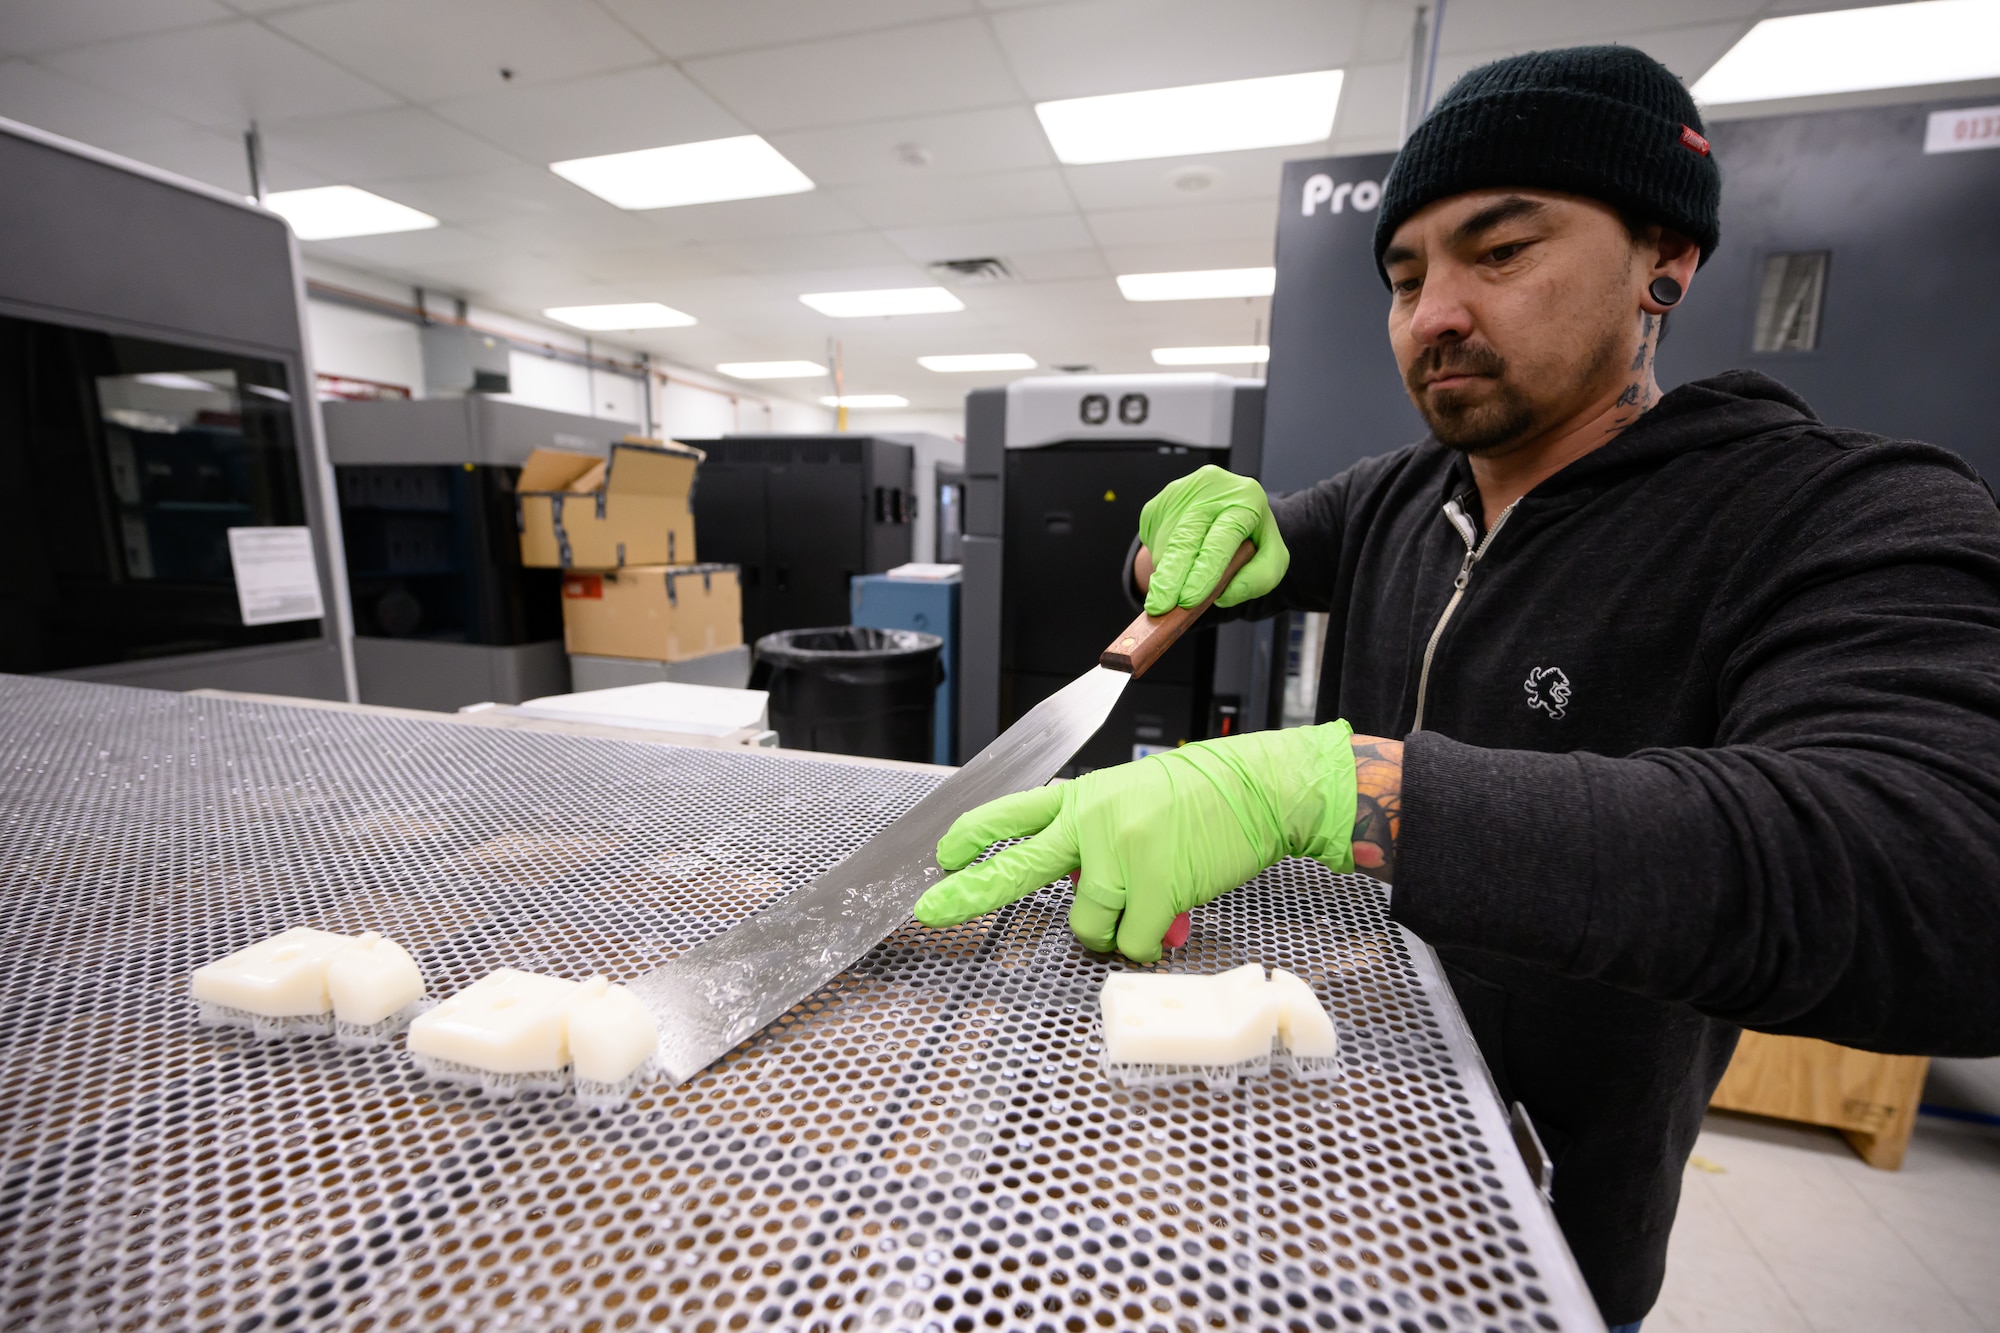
(1908, 341)
(1333, 395)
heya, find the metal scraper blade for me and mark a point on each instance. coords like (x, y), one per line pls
(724, 991)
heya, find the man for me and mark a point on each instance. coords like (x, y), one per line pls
(1699, 698)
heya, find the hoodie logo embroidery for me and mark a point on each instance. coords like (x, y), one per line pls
(1548, 690)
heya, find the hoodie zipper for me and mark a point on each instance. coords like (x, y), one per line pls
(1463, 524)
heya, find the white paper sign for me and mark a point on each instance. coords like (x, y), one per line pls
(1963, 130)
(276, 577)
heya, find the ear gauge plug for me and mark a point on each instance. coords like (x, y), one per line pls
(1665, 290)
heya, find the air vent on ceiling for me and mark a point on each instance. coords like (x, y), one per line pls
(1076, 368)
(970, 272)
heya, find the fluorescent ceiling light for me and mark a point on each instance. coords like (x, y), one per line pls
(1198, 284)
(614, 318)
(686, 173)
(867, 400)
(889, 301)
(1200, 118)
(333, 211)
(1211, 356)
(978, 361)
(1847, 50)
(771, 370)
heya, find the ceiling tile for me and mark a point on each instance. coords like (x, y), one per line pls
(972, 240)
(515, 192)
(874, 277)
(1371, 106)
(657, 263)
(408, 249)
(383, 145)
(603, 113)
(429, 50)
(793, 254)
(30, 27)
(1117, 46)
(815, 213)
(998, 139)
(41, 97)
(1149, 257)
(1166, 182)
(221, 74)
(908, 71)
(1076, 298)
(215, 158)
(521, 282)
(1050, 265)
(682, 28)
(930, 200)
(1546, 23)
(1385, 33)
(577, 230)
(1246, 219)
(1687, 51)
(271, 6)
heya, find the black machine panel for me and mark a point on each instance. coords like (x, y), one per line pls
(802, 514)
(433, 553)
(127, 461)
(1071, 512)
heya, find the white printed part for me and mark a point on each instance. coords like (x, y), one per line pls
(1177, 1021)
(611, 1035)
(1304, 1027)
(372, 978)
(507, 1023)
(282, 977)
(1159, 1018)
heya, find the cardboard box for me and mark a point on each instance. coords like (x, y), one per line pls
(579, 511)
(663, 613)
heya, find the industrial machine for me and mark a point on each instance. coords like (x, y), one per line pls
(1056, 471)
(167, 525)
(444, 613)
(802, 515)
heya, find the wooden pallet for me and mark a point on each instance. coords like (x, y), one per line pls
(1872, 1099)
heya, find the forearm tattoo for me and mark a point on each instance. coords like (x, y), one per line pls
(1378, 806)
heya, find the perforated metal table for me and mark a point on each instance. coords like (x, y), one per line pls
(926, 1144)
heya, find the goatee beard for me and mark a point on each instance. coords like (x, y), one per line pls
(1459, 420)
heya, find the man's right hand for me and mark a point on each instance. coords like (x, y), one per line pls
(1190, 530)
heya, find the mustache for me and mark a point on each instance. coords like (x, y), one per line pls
(1453, 359)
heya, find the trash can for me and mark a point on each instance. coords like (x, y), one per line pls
(850, 690)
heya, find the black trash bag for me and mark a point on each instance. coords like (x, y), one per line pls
(849, 690)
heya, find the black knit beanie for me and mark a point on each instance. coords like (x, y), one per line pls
(1606, 122)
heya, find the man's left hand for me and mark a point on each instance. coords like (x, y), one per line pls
(1152, 839)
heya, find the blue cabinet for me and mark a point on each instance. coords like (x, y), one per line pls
(883, 601)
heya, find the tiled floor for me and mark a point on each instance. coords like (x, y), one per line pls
(1782, 1229)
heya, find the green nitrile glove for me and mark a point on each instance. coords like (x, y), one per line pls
(1157, 837)
(1194, 526)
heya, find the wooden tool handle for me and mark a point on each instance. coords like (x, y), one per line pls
(1147, 637)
